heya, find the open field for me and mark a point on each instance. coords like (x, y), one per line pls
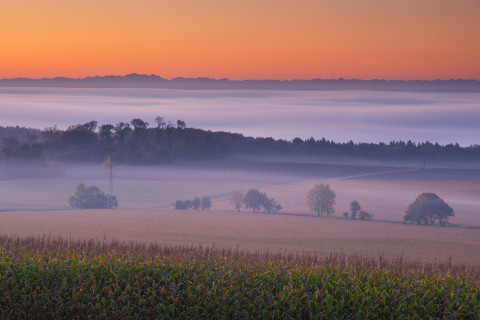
(53, 194)
(250, 231)
(160, 186)
(387, 200)
(146, 194)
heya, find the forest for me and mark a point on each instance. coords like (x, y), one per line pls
(137, 142)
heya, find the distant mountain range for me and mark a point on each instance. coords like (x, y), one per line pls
(153, 81)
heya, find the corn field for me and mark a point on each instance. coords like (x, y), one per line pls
(47, 278)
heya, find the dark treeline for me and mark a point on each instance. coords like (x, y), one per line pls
(138, 142)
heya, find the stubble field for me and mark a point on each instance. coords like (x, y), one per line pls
(146, 214)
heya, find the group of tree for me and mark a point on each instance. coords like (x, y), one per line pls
(204, 203)
(138, 142)
(428, 208)
(13, 149)
(355, 209)
(132, 142)
(91, 198)
(255, 200)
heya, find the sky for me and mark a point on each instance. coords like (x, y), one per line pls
(241, 39)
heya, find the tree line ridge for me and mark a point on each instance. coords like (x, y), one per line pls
(136, 142)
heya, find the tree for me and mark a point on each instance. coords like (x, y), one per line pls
(257, 200)
(206, 203)
(364, 215)
(122, 131)
(180, 205)
(181, 124)
(270, 205)
(139, 124)
(196, 202)
(354, 207)
(236, 198)
(90, 198)
(160, 122)
(254, 199)
(106, 133)
(427, 208)
(321, 199)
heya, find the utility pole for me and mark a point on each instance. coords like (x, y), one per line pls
(109, 166)
(424, 156)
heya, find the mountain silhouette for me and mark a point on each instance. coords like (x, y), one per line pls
(154, 81)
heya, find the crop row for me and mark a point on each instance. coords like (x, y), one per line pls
(74, 285)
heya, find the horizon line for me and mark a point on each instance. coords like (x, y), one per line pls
(234, 80)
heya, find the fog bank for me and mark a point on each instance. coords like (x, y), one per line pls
(361, 116)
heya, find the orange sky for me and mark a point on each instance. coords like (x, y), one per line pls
(241, 39)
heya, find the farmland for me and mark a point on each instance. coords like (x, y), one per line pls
(55, 278)
(146, 194)
(145, 258)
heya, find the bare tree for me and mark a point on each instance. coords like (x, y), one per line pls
(161, 123)
(321, 199)
(236, 198)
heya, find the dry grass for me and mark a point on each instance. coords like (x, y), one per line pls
(52, 247)
(253, 232)
(295, 229)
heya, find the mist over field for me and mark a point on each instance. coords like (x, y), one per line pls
(34, 198)
(361, 116)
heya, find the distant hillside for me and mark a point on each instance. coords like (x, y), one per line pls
(153, 81)
(136, 143)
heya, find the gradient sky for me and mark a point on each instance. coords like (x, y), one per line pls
(241, 39)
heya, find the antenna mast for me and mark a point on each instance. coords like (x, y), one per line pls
(109, 167)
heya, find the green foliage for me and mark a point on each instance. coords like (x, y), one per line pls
(52, 284)
(321, 199)
(257, 200)
(90, 198)
(427, 208)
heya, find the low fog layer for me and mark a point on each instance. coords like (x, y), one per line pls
(49, 186)
(361, 116)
